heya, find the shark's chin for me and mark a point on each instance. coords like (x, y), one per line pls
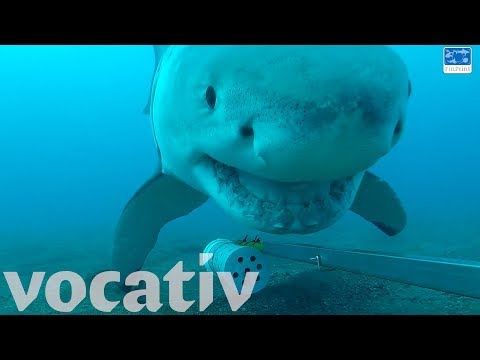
(273, 206)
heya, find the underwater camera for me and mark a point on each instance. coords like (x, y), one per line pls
(238, 258)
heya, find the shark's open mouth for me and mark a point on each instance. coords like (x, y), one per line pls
(280, 207)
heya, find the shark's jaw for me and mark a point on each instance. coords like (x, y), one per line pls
(273, 206)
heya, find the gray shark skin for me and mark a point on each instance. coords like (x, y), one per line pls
(280, 137)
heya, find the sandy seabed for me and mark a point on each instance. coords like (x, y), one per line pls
(294, 288)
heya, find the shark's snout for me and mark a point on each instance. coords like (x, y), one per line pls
(330, 139)
(314, 116)
(296, 113)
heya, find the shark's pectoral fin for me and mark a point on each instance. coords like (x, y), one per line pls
(160, 200)
(377, 203)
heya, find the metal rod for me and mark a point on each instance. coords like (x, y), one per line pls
(461, 277)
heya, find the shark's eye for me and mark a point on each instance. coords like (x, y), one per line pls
(211, 97)
(409, 88)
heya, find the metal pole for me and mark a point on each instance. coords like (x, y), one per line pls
(454, 276)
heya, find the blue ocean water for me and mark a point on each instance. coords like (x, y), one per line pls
(75, 145)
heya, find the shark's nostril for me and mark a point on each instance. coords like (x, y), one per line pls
(246, 131)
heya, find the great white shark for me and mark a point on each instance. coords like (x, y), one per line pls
(280, 137)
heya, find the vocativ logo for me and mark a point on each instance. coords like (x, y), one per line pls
(24, 296)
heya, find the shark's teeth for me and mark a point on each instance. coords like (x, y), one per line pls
(225, 172)
(310, 215)
(281, 207)
(268, 206)
(284, 217)
(320, 204)
(338, 189)
(310, 222)
(281, 204)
